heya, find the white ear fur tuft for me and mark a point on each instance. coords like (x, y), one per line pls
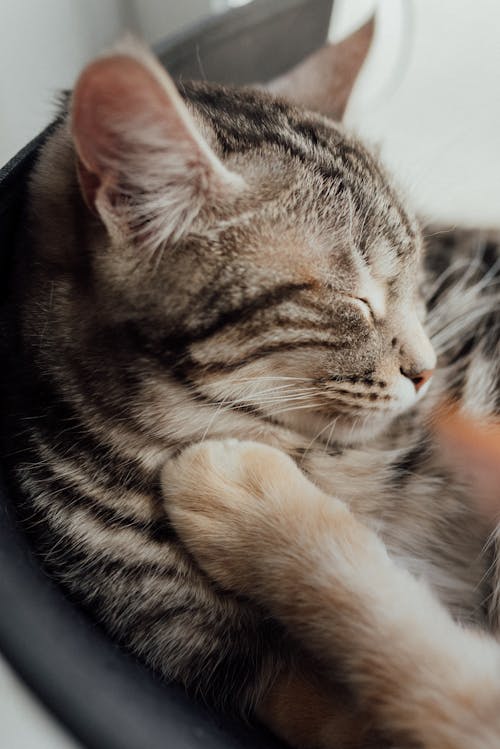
(143, 165)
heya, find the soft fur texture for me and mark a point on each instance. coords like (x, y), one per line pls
(245, 509)
(221, 265)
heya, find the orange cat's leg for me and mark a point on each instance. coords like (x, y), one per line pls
(259, 527)
(309, 713)
(473, 449)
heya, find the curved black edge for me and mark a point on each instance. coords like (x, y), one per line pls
(13, 184)
(104, 697)
(10, 173)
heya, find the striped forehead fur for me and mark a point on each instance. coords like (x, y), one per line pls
(250, 120)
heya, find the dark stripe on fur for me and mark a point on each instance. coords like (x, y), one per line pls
(66, 495)
(411, 461)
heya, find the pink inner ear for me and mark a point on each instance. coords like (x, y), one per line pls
(131, 128)
(113, 96)
(142, 164)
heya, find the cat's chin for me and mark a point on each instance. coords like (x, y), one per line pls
(335, 430)
(361, 429)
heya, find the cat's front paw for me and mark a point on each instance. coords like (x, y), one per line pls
(229, 502)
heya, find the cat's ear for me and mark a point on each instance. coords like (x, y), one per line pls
(143, 166)
(323, 81)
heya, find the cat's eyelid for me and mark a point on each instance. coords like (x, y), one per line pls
(369, 307)
(372, 293)
(368, 304)
(365, 306)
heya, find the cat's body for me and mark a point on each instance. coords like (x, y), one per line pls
(105, 397)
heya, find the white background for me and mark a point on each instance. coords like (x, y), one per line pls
(436, 116)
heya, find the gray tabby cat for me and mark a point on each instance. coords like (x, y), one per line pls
(211, 263)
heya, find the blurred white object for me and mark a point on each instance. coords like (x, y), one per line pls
(439, 127)
(24, 722)
(221, 5)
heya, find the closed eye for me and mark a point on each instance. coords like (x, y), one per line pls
(364, 306)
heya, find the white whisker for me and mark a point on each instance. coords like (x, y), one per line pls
(293, 408)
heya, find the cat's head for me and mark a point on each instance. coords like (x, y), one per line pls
(250, 248)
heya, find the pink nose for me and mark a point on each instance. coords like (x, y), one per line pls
(419, 378)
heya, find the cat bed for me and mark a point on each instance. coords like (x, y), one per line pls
(104, 698)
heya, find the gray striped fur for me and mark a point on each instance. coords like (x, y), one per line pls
(123, 360)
